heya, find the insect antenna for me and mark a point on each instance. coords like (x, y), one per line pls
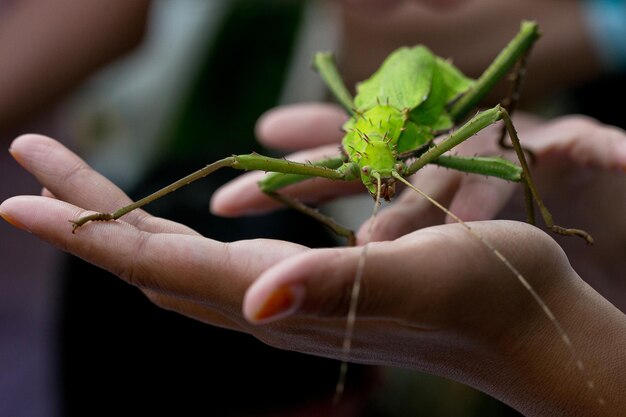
(354, 298)
(547, 311)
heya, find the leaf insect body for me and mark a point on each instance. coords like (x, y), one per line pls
(408, 114)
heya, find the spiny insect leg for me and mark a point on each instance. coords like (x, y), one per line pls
(324, 63)
(475, 125)
(531, 189)
(244, 162)
(510, 102)
(201, 173)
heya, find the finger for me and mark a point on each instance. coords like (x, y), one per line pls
(480, 198)
(411, 211)
(189, 266)
(422, 278)
(194, 310)
(46, 193)
(301, 126)
(320, 282)
(288, 288)
(583, 140)
(243, 196)
(66, 176)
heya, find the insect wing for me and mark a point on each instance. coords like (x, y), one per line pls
(456, 82)
(447, 84)
(403, 81)
(432, 115)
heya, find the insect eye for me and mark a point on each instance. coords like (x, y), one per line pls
(399, 168)
(366, 170)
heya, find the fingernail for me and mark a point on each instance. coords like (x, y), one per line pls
(17, 157)
(13, 222)
(283, 302)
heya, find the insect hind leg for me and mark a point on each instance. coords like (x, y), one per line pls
(530, 190)
(509, 103)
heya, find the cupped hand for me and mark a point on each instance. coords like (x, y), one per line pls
(439, 300)
(176, 267)
(206, 279)
(579, 172)
(436, 300)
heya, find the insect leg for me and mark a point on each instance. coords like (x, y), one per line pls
(510, 55)
(509, 103)
(531, 189)
(324, 63)
(245, 162)
(275, 181)
(473, 126)
(316, 214)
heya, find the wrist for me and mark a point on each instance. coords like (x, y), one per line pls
(534, 369)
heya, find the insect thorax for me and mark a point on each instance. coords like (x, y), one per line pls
(374, 140)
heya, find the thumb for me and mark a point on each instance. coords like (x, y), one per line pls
(317, 282)
(480, 198)
(320, 283)
(586, 141)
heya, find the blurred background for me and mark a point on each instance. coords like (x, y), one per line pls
(152, 90)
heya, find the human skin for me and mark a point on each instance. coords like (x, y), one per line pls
(375, 7)
(48, 48)
(463, 316)
(448, 28)
(579, 171)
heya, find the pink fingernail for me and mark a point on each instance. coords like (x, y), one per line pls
(17, 158)
(283, 302)
(13, 222)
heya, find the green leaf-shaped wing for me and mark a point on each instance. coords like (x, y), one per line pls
(403, 80)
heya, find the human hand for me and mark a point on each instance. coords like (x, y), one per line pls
(579, 168)
(462, 308)
(439, 301)
(173, 265)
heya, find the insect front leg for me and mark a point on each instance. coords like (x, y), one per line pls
(201, 173)
(324, 63)
(515, 51)
(244, 162)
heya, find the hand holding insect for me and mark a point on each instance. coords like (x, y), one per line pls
(452, 318)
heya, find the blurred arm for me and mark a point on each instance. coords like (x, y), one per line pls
(47, 48)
